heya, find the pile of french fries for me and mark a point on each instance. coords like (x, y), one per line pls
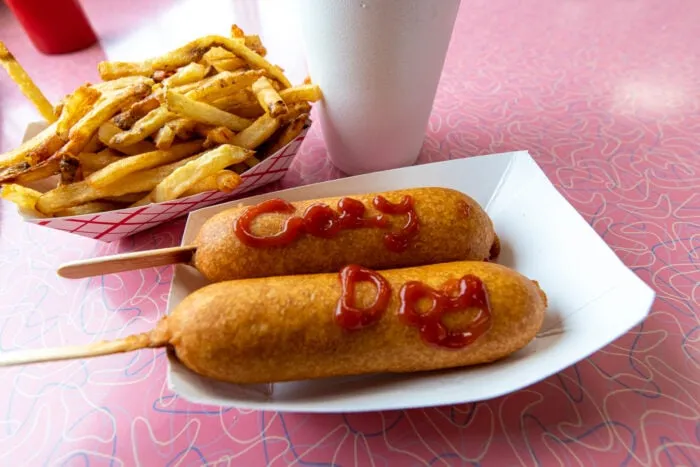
(184, 123)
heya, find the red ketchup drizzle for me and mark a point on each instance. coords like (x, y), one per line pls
(471, 293)
(352, 215)
(347, 315)
(398, 241)
(288, 233)
(320, 220)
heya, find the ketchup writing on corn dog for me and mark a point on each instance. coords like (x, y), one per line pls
(347, 314)
(455, 296)
(321, 220)
(471, 293)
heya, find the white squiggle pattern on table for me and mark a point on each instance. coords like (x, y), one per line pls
(605, 94)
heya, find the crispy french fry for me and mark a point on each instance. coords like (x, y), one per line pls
(143, 128)
(190, 52)
(75, 107)
(223, 180)
(21, 153)
(268, 97)
(217, 135)
(94, 145)
(237, 32)
(25, 199)
(103, 110)
(204, 113)
(257, 133)
(252, 161)
(229, 64)
(25, 83)
(81, 192)
(127, 165)
(108, 130)
(303, 93)
(138, 110)
(45, 150)
(284, 136)
(254, 43)
(91, 162)
(183, 178)
(295, 110)
(88, 208)
(222, 84)
(187, 74)
(44, 169)
(183, 128)
(120, 83)
(165, 137)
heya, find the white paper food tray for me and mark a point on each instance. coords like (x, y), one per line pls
(593, 297)
(113, 225)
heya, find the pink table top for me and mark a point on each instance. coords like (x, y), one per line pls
(605, 94)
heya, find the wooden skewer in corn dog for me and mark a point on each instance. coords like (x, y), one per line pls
(273, 238)
(358, 321)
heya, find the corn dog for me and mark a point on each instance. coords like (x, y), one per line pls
(357, 321)
(380, 230)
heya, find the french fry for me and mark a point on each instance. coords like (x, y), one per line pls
(25, 199)
(81, 192)
(165, 137)
(268, 97)
(190, 52)
(143, 128)
(138, 110)
(91, 162)
(108, 130)
(303, 93)
(223, 180)
(254, 43)
(204, 113)
(103, 110)
(190, 73)
(284, 136)
(44, 169)
(257, 133)
(26, 85)
(217, 135)
(183, 178)
(222, 84)
(228, 64)
(252, 161)
(183, 127)
(223, 60)
(21, 153)
(120, 83)
(94, 145)
(127, 165)
(45, 150)
(75, 107)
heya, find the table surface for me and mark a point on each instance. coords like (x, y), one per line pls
(605, 95)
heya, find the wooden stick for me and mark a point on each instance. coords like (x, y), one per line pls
(127, 344)
(126, 262)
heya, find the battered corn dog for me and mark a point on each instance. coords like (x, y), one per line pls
(380, 230)
(316, 326)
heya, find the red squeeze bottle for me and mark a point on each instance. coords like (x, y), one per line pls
(54, 26)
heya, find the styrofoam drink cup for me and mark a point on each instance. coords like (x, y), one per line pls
(378, 63)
